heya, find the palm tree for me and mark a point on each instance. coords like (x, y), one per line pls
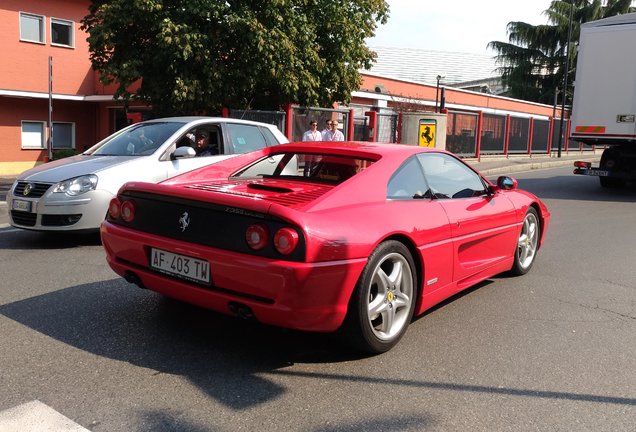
(532, 61)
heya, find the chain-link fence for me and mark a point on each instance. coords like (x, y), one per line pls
(387, 128)
(302, 116)
(276, 118)
(461, 133)
(461, 129)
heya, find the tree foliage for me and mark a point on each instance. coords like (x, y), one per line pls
(532, 61)
(197, 56)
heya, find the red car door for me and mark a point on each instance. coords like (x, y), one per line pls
(482, 224)
(483, 230)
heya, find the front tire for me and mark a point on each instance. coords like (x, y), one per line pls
(383, 302)
(527, 243)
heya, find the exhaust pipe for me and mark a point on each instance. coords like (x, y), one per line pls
(133, 279)
(240, 310)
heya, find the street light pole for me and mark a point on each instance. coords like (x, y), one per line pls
(565, 78)
(49, 138)
(439, 77)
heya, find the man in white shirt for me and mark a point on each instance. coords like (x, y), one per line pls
(312, 134)
(325, 132)
(335, 134)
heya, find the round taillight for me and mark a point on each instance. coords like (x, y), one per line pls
(114, 208)
(257, 236)
(128, 211)
(286, 240)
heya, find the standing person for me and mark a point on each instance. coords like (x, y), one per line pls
(334, 134)
(326, 131)
(312, 134)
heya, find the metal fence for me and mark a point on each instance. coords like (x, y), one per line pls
(276, 118)
(461, 133)
(387, 128)
(493, 134)
(518, 135)
(540, 136)
(468, 133)
(302, 116)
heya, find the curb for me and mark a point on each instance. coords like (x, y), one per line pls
(529, 166)
(4, 215)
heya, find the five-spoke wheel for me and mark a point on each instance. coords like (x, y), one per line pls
(527, 244)
(384, 300)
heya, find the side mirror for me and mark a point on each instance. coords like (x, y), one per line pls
(507, 183)
(183, 153)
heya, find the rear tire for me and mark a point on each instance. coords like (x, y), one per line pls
(382, 305)
(610, 161)
(610, 182)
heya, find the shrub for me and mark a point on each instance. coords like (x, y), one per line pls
(63, 153)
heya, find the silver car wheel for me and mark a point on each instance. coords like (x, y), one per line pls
(390, 296)
(528, 241)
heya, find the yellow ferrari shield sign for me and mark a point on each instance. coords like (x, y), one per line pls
(427, 133)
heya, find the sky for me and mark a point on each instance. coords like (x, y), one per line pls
(454, 25)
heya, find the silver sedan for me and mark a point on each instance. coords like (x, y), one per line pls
(73, 194)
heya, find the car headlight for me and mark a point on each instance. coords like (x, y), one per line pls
(77, 185)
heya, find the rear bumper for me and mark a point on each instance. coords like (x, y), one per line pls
(303, 296)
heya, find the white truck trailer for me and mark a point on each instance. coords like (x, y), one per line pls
(604, 104)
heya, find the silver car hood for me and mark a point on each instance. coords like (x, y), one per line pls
(75, 166)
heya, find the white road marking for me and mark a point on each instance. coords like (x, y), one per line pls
(35, 416)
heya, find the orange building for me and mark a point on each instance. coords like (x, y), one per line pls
(38, 34)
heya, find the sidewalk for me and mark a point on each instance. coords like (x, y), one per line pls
(5, 184)
(500, 165)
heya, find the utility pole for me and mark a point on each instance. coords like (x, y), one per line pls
(49, 141)
(439, 77)
(565, 78)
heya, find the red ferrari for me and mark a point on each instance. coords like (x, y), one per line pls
(353, 236)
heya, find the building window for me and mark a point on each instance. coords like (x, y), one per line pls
(32, 135)
(62, 33)
(63, 135)
(31, 28)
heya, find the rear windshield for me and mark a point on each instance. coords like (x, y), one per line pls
(327, 168)
(140, 140)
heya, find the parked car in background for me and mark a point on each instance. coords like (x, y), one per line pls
(72, 194)
(355, 236)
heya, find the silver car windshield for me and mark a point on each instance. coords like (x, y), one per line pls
(140, 140)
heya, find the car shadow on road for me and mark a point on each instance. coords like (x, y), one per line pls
(578, 189)
(14, 239)
(117, 320)
(228, 358)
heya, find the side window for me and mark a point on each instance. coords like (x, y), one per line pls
(269, 136)
(245, 138)
(449, 177)
(408, 182)
(205, 139)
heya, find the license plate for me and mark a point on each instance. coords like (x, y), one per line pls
(599, 173)
(181, 266)
(21, 205)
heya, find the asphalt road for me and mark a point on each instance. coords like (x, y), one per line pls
(550, 351)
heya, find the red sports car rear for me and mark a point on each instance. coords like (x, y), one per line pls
(324, 236)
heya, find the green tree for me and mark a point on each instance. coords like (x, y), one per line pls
(195, 56)
(532, 61)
